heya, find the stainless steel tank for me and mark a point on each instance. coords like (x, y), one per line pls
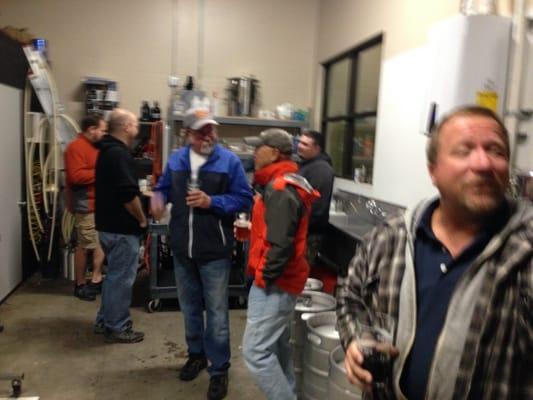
(313, 284)
(339, 388)
(242, 94)
(322, 337)
(307, 304)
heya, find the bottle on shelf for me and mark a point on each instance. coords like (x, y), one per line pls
(145, 111)
(189, 83)
(155, 112)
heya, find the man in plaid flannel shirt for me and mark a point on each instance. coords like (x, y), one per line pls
(456, 273)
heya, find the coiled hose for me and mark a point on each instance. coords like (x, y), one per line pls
(67, 227)
(37, 187)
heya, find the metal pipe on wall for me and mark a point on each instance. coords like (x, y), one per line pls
(174, 38)
(516, 78)
(201, 42)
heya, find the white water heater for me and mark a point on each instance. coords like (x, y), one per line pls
(469, 62)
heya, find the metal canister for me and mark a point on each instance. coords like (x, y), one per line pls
(313, 284)
(322, 338)
(307, 304)
(339, 388)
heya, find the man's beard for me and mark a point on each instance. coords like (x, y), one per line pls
(481, 197)
(207, 148)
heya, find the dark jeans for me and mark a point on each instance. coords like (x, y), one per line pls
(206, 285)
(122, 252)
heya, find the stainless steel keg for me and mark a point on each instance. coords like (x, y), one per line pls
(322, 337)
(307, 304)
(339, 388)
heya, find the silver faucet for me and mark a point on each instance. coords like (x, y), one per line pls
(374, 209)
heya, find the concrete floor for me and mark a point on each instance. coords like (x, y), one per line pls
(48, 336)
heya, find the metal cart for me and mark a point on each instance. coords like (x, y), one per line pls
(162, 281)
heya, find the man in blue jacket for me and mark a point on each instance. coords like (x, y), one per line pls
(206, 185)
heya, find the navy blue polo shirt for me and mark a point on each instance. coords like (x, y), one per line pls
(437, 273)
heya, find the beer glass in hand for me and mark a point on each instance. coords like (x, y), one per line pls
(192, 185)
(375, 340)
(242, 227)
(193, 192)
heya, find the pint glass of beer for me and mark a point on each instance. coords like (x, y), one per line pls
(242, 227)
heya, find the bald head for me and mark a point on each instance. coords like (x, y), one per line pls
(123, 125)
(119, 119)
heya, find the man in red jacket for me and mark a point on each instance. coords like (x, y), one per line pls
(276, 261)
(80, 163)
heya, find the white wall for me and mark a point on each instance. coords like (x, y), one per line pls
(400, 174)
(10, 182)
(399, 166)
(139, 43)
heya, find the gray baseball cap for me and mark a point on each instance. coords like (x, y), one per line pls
(276, 138)
(196, 118)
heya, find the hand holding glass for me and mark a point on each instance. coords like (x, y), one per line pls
(242, 227)
(375, 342)
(192, 185)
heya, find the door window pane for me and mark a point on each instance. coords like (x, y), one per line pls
(352, 78)
(364, 136)
(338, 88)
(367, 80)
(335, 145)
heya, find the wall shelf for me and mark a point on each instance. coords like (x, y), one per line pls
(275, 123)
(100, 95)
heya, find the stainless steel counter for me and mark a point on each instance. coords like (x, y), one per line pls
(353, 225)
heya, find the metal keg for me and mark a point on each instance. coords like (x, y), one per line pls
(313, 284)
(322, 337)
(339, 388)
(307, 304)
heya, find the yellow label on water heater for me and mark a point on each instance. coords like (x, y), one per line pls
(487, 99)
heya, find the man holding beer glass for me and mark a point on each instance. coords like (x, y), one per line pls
(455, 277)
(207, 186)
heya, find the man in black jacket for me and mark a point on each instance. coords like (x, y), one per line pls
(119, 221)
(315, 166)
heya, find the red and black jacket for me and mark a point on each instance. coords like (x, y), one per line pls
(280, 221)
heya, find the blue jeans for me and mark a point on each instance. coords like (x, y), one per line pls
(122, 252)
(206, 285)
(266, 349)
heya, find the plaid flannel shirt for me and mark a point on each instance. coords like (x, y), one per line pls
(485, 350)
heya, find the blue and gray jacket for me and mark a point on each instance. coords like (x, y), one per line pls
(205, 234)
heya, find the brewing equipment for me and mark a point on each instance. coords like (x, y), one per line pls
(322, 337)
(339, 388)
(242, 95)
(307, 304)
(313, 284)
